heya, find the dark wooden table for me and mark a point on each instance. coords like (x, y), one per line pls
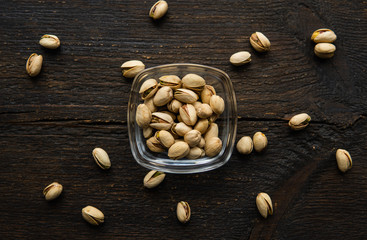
(50, 124)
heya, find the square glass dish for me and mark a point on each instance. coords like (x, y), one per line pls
(227, 122)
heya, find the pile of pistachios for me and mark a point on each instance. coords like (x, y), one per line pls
(174, 120)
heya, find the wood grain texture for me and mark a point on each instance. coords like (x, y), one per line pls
(49, 125)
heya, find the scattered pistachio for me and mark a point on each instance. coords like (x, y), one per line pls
(240, 58)
(50, 41)
(158, 10)
(259, 42)
(34, 64)
(183, 212)
(52, 191)
(213, 146)
(260, 141)
(163, 96)
(299, 121)
(264, 204)
(131, 68)
(178, 150)
(245, 145)
(92, 215)
(101, 158)
(153, 179)
(324, 50)
(323, 35)
(148, 88)
(344, 160)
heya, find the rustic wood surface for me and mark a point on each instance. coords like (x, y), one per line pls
(50, 124)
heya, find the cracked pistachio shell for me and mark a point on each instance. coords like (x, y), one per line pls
(193, 82)
(174, 106)
(202, 143)
(323, 35)
(150, 104)
(212, 131)
(92, 215)
(131, 68)
(195, 153)
(181, 129)
(188, 114)
(259, 42)
(171, 81)
(143, 116)
(217, 104)
(154, 145)
(52, 191)
(264, 204)
(34, 64)
(101, 158)
(158, 10)
(324, 50)
(192, 138)
(204, 111)
(240, 58)
(153, 179)
(163, 96)
(161, 121)
(148, 88)
(245, 145)
(50, 41)
(299, 121)
(213, 146)
(202, 125)
(207, 93)
(344, 160)
(260, 141)
(178, 150)
(147, 132)
(183, 212)
(186, 95)
(165, 138)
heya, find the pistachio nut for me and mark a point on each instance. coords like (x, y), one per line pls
(202, 125)
(158, 10)
(131, 68)
(260, 141)
(50, 41)
(188, 114)
(179, 140)
(174, 106)
(240, 58)
(202, 143)
(181, 129)
(204, 111)
(147, 132)
(154, 145)
(217, 104)
(153, 179)
(196, 105)
(143, 116)
(161, 121)
(212, 131)
(92, 215)
(213, 146)
(192, 138)
(299, 121)
(245, 145)
(148, 88)
(183, 212)
(101, 158)
(323, 35)
(52, 191)
(259, 42)
(194, 82)
(150, 104)
(186, 96)
(171, 81)
(213, 118)
(173, 116)
(34, 64)
(163, 96)
(344, 160)
(178, 150)
(207, 93)
(195, 153)
(165, 138)
(264, 204)
(324, 50)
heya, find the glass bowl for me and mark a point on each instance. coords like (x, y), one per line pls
(227, 122)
